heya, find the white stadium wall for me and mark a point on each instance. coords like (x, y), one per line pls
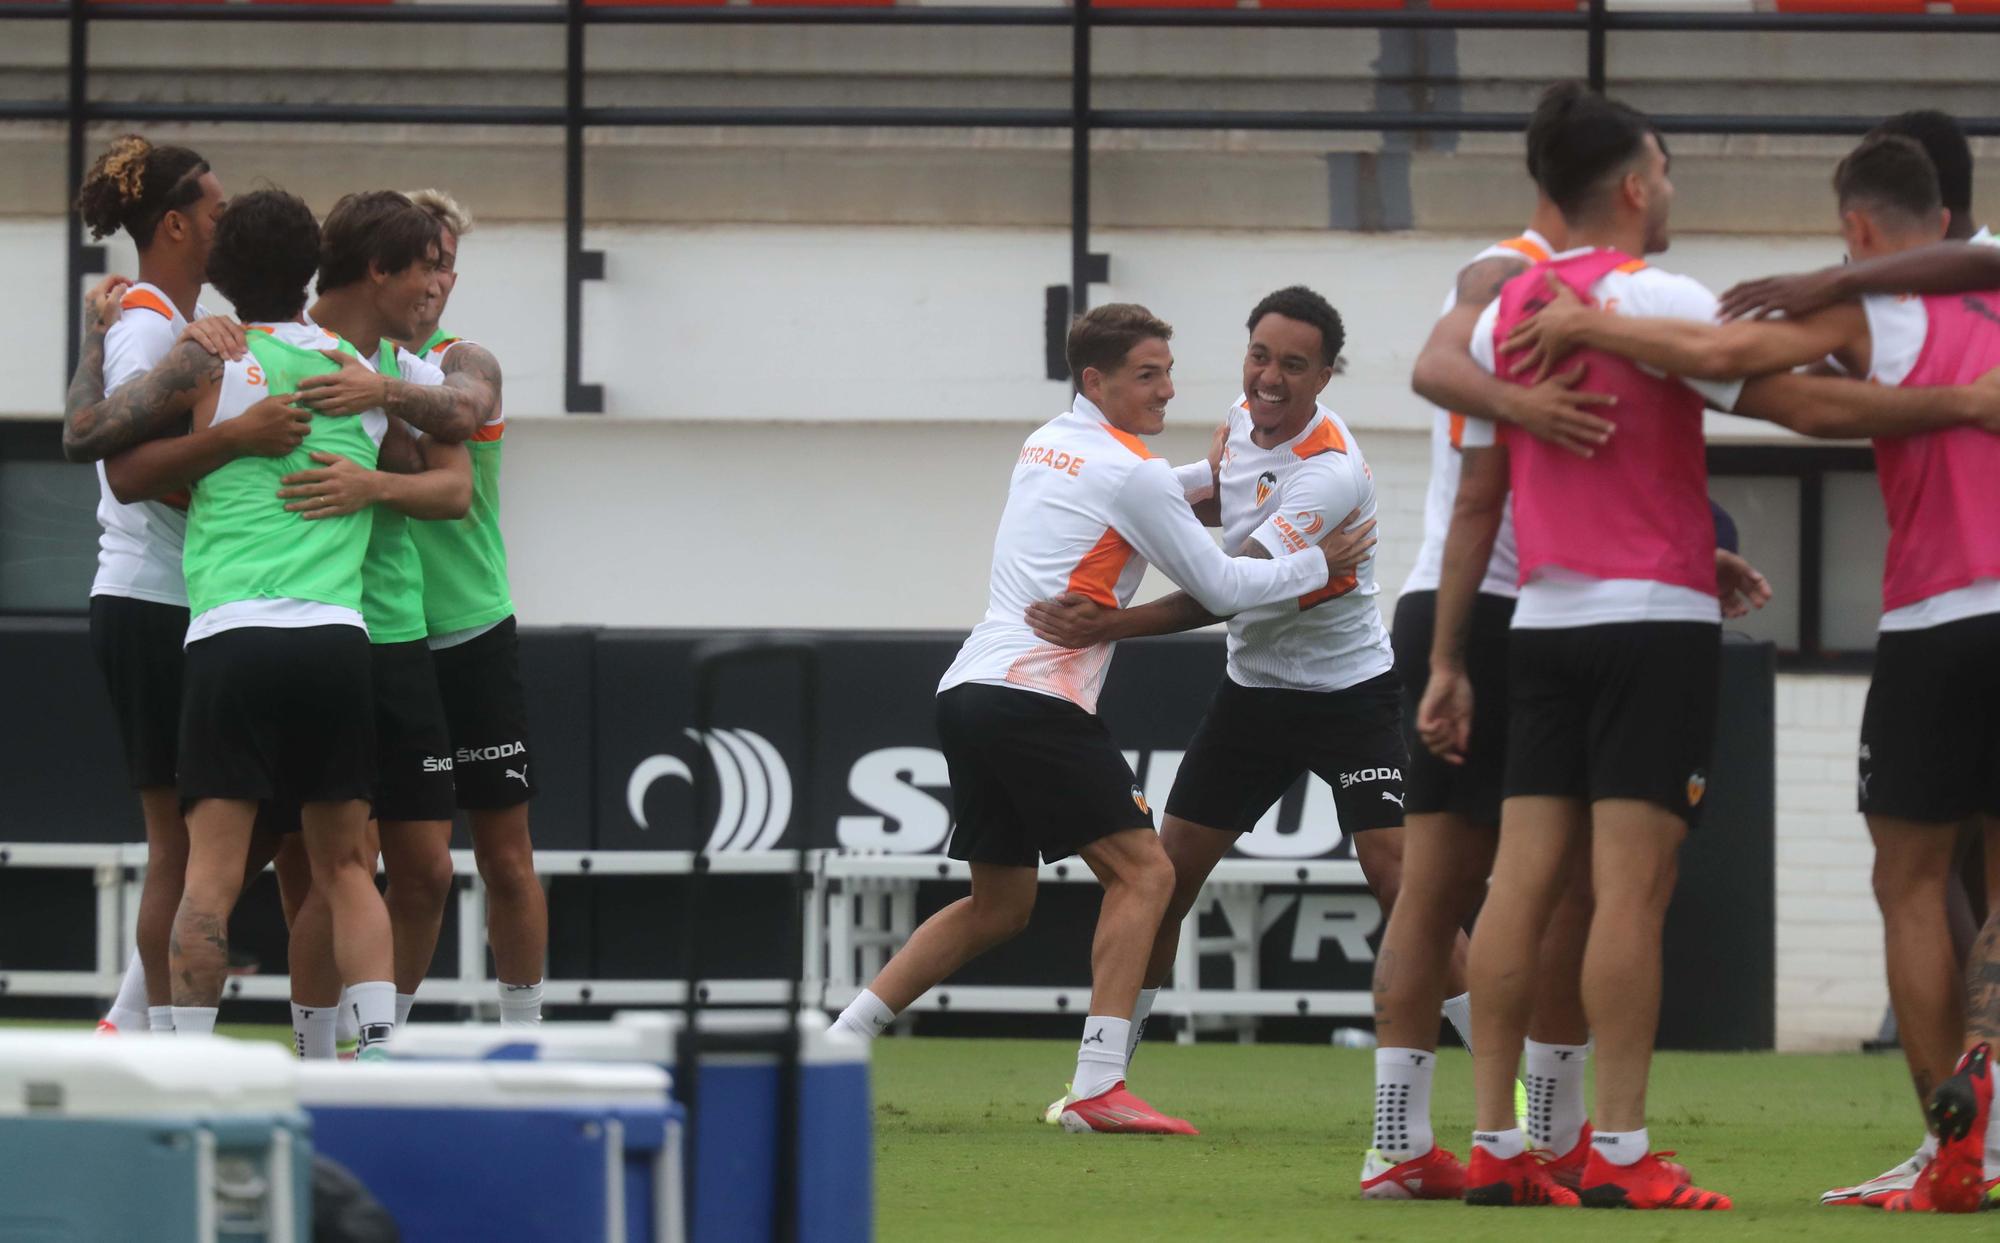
(812, 427)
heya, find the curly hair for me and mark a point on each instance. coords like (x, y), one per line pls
(1302, 304)
(134, 184)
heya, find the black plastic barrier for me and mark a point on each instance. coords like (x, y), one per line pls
(617, 757)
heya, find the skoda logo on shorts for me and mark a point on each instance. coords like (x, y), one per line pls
(755, 788)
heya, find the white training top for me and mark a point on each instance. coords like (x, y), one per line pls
(243, 386)
(1087, 509)
(1897, 330)
(1447, 436)
(1555, 598)
(1286, 498)
(139, 553)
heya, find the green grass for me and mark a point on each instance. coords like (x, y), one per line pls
(961, 1154)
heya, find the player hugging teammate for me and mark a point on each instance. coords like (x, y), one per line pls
(263, 613)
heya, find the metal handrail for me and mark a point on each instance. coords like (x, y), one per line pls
(1081, 118)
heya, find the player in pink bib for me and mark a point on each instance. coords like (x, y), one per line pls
(1930, 736)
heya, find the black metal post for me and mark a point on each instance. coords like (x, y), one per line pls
(578, 264)
(1594, 42)
(1079, 159)
(79, 82)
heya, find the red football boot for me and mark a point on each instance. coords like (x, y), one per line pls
(1959, 1109)
(1436, 1175)
(1514, 1182)
(1647, 1183)
(1119, 1112)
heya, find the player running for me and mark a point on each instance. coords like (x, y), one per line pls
(166, 199)
(1929, 741)
(1033, 771)
(1619, 595)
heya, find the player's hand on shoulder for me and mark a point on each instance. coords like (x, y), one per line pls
(105, 303)
(1069, 621)
(1217, 442)
(219, 335)
(1444, 719)
(1348, 545)
(1789, 296)
(333, 489)
(1742, 589)
(354, 389)
(273, 427)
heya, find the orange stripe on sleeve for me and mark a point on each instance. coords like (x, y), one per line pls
(146, 300)
(1458, 431)
(1096, 576)
(1631, 265)
(1526, 247)
(1136, 445)
(489, 433)
(1326, 440)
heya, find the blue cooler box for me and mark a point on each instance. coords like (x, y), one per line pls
(548, 1152)
(734, 1179)
(182, 1140)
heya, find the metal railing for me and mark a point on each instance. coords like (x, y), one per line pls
(1081, 118)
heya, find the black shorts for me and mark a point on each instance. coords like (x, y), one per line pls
(279, 714)
(1255, 742)
(1031, 775)
(138, 646)
(1471, 789)
(412, 741)
(1930, 735)
(487, 711)
(1623, 710)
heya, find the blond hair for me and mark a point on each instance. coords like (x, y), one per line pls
(447, 210)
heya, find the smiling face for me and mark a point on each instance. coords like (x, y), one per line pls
(1284, 372)
(1134, 395)
(402, 299)
(447, 280)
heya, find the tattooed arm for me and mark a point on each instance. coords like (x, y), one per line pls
(471, 369)
(446, 411)
(96, 427)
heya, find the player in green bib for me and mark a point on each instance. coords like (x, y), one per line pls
(469, 614)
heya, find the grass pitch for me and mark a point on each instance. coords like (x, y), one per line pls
(961, 1153)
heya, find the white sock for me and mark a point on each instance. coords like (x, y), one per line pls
(1621, 1147)
(1458, 1012)
(403, 1003)
(1100, 1059)
(1556, 1112)
(312, 1031)
(866, 1016)
(521, 1005)
(160, 1020)
(374, 1005)
(1505, 1145)
(1140, 1013)
(194, 1020)
(346, 1035)
(128, 1009)
(1928, 1148)
(1403, 1102)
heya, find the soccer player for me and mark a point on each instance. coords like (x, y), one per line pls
(469, 616)
(1033, 771)
(1613, 661)
(1310, 684)
(167, 200)
(275, 613)
(1929, 741)
(419, 477)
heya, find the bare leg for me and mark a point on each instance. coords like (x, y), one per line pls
(1558, 1015)
(1913, 863)
(517, 911)
(1633, 868)
(1445, 864)
(336, 842)
(997, 910)
(1193, 850)
(1138, 883)
(1537, 835)
(160, 893)
(198, 948)
(315, 978)
(417, 856)
(294, 874)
